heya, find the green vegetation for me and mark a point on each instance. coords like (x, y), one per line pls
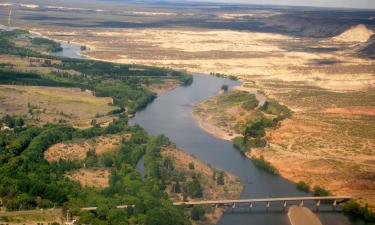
(356, 212)
(303, 186)
(239, 111)
(231, 77)
(275, 108)
(250, 104)
(265, 165)
(29, 181)
(319, 191)
(194, 188)
(240, 144)
(220, 179)
(224, 87)
(197, 212)
(49, 45)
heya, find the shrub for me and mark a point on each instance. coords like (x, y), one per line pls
(303, 186)
(319, 191)
(197, 212)
(263, 164)
(358, 212)
(220, 178)
(194, 189)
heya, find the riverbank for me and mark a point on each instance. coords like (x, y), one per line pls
(321, 147)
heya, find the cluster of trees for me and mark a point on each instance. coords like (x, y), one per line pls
(254, 133)
(231, 77)
(13, 121)
(49, 45)
(8, 47)
(29, 181)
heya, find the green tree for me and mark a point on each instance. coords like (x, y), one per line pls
(220, 178)
(197, 212)
(194, 189)
(225, 88)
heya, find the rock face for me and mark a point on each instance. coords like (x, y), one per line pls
(359, 33)
(368, 49)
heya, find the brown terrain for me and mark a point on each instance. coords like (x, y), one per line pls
(98, 178)
(77, 149)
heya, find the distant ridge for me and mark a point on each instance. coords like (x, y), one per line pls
(359, 33)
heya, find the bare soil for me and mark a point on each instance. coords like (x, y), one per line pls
(98, 178)
(77, 149)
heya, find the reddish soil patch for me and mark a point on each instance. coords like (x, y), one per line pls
(368, 111)
(98, 178)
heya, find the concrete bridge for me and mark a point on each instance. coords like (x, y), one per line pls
(335, 200)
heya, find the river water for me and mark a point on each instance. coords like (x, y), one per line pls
(171, 114)
(70, 50)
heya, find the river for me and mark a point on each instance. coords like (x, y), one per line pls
(171, 114)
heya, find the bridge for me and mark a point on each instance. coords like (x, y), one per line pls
(335, 200)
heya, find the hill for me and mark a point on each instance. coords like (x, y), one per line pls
(359, 33)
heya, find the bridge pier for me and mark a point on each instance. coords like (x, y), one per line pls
(285, 204)
(268, 205)
(334, 205)
(317, 205)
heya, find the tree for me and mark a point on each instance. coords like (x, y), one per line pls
(176, 187)
(319, 191)
(220, 178)
(225, 88)
(194, 189)
(303, 186)
(191, 166)
(197, 212)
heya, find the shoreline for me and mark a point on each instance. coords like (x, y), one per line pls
(210, 128)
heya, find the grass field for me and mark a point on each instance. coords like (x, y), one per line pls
(52, 104)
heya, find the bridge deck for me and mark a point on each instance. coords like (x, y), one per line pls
(288, 199)
(243, 201)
